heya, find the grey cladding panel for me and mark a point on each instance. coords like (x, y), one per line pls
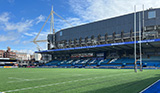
(122, 23)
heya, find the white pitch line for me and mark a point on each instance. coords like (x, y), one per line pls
(61, 83)
(15, 78)
(78, 75)
(22, 80)
(149, 86)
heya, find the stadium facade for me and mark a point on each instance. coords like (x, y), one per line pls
(107, 42)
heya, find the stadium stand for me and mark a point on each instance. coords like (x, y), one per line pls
(122, 62)
(107, 43)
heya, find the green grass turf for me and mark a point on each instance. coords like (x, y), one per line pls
(75, 80)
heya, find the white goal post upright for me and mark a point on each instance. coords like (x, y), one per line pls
(135, 63)
(140, 48)
(140, 38)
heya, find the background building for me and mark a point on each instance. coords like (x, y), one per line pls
(22, 56)
(2, 53)
(9, 53)
(37, 56)
(14, 54)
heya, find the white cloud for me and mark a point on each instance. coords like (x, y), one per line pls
(6, 38)
(10, 26)
(41, 35)
(93, 10)
(60, 24)
(16, 41)
(40, 18)
(26, 42)
(4, 17)
(85, 10)
(20, 26)
(17, 32)
(29, 34)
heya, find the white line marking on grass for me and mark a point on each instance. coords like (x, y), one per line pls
(22, 80)
(149, 86)
(62, 83)
(70, 81)
(78, 75)
(15, 78)
(76, 80)
(95, 77)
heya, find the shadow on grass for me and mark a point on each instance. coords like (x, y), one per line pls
(131, 87)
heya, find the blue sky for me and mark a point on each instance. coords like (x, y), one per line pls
(21, 20)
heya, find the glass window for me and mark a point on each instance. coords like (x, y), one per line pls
(151, 14)
(60, 33)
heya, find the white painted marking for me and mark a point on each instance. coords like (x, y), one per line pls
(22, 80)
(78, 75)
(36, 87)
(61, 83)
(149, 86)
(15, 78)
(76, 80)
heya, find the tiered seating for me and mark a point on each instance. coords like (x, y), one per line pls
(84, 61)
(52, 63)
(80, 63)
(129, 62)
(70, 61)
(103, 62)
(76, 61)
(114, 62)
(93, 62)
(120, 62)
(66, 63)
(152, 61)
(154, 58)
(125, 61)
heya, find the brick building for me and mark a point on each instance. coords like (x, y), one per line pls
(9, 53)
(14, 54)
(2, 53)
